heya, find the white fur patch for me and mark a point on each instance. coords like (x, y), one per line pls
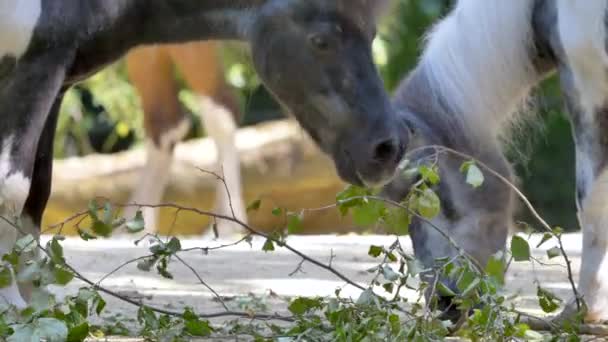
(14, 187)
(582, 31)
(478, 61)
(18, 20)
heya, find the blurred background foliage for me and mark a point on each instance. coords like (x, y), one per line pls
(103, 114)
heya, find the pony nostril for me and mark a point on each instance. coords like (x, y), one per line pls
(386, 151)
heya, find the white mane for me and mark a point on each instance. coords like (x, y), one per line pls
(478, 60)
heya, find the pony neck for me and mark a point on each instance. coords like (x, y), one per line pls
(477, 66)
(176, 21)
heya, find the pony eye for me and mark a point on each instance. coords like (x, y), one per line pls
(319, 42)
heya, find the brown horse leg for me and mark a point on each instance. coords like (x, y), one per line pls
(150, 70)
(201, 67)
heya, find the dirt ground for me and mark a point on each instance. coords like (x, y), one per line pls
(238, 271)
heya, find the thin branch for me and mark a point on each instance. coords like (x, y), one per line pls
(200, 279)
(128, 300)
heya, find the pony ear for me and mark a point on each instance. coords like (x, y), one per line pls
(376, 7)
(364, 13)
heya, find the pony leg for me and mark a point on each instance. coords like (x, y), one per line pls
(150, 70)
(202, 69)
(592, 203)
(229, 193)
(40, 189)
(476, 219)
(590, 124)
(582, 34)
(25, 115)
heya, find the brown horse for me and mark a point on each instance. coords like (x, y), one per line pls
(151, 70)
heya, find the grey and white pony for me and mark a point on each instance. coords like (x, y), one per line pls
(314, 55)
(479, 65)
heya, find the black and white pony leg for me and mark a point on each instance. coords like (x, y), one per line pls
(40, 189)
(24, 113)
(14, 187)
(590, 126)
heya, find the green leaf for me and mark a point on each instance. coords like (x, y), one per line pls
(554, 252)
(101, 229)
(108, 213)
(86, 294)
(471, 287)
(277, 212)
(194, 326)
(351, 197)
(41, 300)
(546, 237)
(42, 329)
(86, 236)
(366, 297)
(414, 267)
(198, 328)
(294, 223)
(23, 333)
(520, 249)
(78, 333)
(428, 204)
(93, 209)
(146, 264)
(63, 276)
(101, 304)
(389, 274)
(301, 305)
(444, 290)
(495, 268)
(474, 176)
(56, 251)
(429, 175)
(395, 323)
(12, 258)
(52, 329)
(162, 268)
(398, 220)
(254, 206)
(26, 244)
(548, 301)
(368, 213)
(375, 251)
(268, 246)
(558, 231)
(30, 272)
(6, 277)
(174, 245)
(137, 224)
